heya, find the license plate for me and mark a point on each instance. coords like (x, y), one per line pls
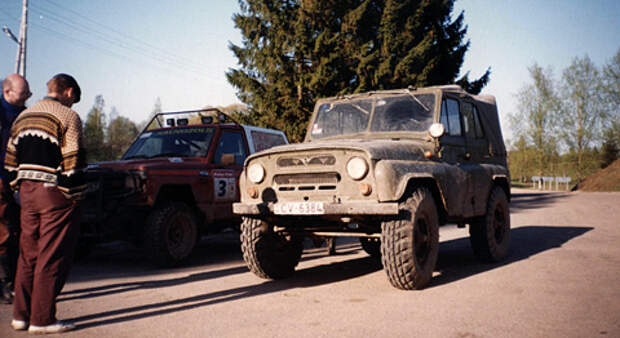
(299, 208)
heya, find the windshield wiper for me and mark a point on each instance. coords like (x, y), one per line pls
(357, 106)
(419, 102)
(135, 156)
(168, 154)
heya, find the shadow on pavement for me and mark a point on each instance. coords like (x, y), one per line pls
(314, 276)
(214, 251)
(523, 201)
(457, 261)
(121, 259)
(109, 289)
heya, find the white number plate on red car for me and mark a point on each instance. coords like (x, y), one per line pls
(299, 208)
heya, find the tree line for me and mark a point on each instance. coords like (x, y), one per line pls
(568, 126)
(107, 138)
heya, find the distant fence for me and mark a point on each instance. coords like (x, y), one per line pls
(546, 182)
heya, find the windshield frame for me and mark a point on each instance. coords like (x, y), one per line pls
(367, 133)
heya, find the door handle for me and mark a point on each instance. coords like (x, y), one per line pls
(466, 156)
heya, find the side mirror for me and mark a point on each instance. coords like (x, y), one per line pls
(436, 130)
(228, 159)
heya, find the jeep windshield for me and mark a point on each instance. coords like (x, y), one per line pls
(398, 113)
(173, 142)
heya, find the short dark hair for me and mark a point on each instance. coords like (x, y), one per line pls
(60, 82)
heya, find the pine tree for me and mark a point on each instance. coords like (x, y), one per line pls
(294, 52)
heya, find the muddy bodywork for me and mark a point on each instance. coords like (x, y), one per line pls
(459, 170)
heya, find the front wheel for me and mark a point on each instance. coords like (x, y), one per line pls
(489, 235)
(269, 254)
(410, 243)
(171, 234)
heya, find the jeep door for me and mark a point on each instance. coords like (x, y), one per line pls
(478, 148)
(456, 181)
(227, 160)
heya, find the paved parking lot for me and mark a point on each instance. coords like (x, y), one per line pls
(562, 279)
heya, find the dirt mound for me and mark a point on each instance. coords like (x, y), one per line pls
(607, 179)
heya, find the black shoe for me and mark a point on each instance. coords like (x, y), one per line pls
(6, 296)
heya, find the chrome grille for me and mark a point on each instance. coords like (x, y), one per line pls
(306, 160)
(303, 182)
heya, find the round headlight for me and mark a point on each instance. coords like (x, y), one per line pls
(357, 168)
(256, 173)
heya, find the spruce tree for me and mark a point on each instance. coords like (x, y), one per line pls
(294, 52)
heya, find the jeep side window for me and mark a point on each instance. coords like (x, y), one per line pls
(468, 120)
(479, 131)
(450, 117)
(471, 122)
(263, 140)
(230, 143)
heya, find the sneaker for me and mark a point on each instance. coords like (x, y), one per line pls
(19, 324)
(57, 327)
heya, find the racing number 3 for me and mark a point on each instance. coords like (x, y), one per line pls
(225, 188)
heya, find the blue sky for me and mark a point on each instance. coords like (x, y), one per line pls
(133, 51)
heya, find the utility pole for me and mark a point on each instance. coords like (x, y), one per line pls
(20, 62)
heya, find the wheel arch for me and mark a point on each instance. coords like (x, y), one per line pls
(181, 193)
(429, 183)
(503, 182)
(176, 193)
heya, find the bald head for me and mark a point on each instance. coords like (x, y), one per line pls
(15, 90)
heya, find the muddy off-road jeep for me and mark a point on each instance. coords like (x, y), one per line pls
(177, 181)
(388, 167)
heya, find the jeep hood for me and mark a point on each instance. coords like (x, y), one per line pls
(377, 149)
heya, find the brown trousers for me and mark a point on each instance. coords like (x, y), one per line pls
(49, 233)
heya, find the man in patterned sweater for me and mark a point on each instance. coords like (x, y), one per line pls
(46, 163)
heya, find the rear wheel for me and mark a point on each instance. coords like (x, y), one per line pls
(410, 243)
(489, 235)
(269, 254)
(171, 234)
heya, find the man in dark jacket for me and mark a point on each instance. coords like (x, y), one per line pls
(15, 92)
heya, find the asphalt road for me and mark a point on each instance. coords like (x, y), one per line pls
(562, 279)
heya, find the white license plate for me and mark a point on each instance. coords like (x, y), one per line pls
(298, 208)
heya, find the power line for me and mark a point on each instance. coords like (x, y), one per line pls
(113, 42)
(123, 34)
(113, 39)
(90, 45)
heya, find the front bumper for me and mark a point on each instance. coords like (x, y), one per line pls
(344, 209)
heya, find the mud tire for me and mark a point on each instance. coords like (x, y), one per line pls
(489, 235)
(171, 234)
(410, 243)
(267, 254)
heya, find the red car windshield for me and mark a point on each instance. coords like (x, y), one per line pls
(173, 142)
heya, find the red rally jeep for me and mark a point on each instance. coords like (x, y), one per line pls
(176, 182)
